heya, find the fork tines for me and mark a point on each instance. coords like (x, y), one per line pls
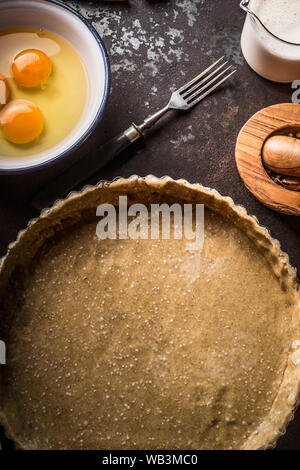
(194, 91)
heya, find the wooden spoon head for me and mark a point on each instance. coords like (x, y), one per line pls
(281, 154)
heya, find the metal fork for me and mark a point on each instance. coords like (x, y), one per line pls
(182, 99)
(187, 96)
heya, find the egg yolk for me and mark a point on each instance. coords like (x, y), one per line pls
(21, 122)
(4, 91)
(31, 68)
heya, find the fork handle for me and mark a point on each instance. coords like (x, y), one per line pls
(84, 168)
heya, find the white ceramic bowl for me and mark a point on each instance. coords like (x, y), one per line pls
(59, 18)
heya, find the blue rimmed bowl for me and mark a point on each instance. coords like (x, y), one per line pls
(63, 20)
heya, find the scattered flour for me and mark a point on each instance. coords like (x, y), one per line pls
(140, 45)
(184, 138)
(128, 43)
(190, 8)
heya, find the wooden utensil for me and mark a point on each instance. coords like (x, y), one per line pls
(281, 154)
(289, 182)
(277, 119)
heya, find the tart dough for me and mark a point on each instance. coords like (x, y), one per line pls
(125, 344)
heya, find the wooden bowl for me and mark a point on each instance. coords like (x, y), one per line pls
(277, 119)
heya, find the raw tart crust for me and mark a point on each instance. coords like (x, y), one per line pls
(146, 190)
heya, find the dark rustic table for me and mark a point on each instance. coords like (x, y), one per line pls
(154, 47)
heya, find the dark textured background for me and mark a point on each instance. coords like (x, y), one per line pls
(155, 46)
